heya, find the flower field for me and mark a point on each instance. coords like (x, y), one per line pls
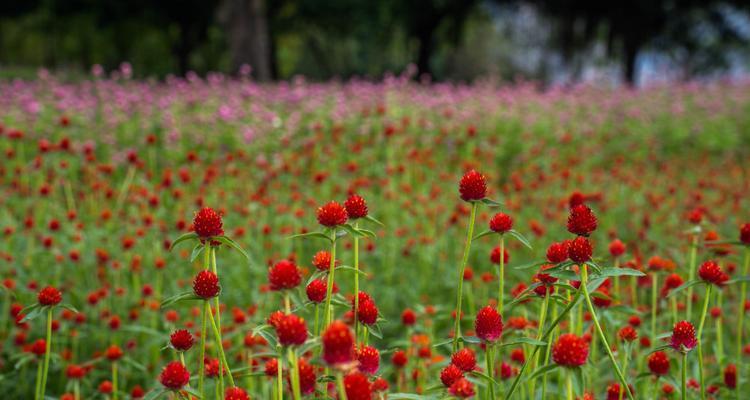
(219, 238)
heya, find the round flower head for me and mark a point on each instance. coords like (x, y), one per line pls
(113, 353)
(322, 260)
(462, 388)
(291, 330)
(672, 281)
(356, 207)
(39, 347)
(181, 340)
(745, 234)
(450, 374)
(464, 359)
(174, 376)
(316, 290)
(399, 359)
(207, 223)
(408, 317)
(730, 376)
(488, 324)
(683, 337)
(558, 252)
(627, 333)
(570, 351)
(501, 223)
(369, 360)
(284, 275)
(367, 313)
(338, 344)
(332, 214)
(617, 248)
(49, 296)
(206, 285)
(307, 378)
(235, 393)
(357, 387)
(271, 368)
(581, 221)
(658, 363)
(580, 250)
(473, 186)
(711, 272)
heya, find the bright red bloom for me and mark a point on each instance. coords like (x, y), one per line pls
(450, 374)
(291, 330)
(712, 273)
(317, 290)
(206, 285)
(338, 344)
(462, 388)
(695, 216)
(558, 252)
(74, 371)
(367, 312)
(284, 275)
(570, 351)
(105, 387)
(39, 347)
(322, 260)
(307, 378)
(672, 281)
(357, 387)
(464, 359)
(332, 214)
(207, 223)
(617, 248)
(580, 250)
(380, 385)
(488, 324)
(501, 223)
(235, 393)
(581, 220)
(174, 376)
(658, 363)
(408, 317)
(113, 352)
(399, 359)
(369, 360)
(473, 186)
(745, 233)
(683, 337)
(271, 368)
(495, 255)
(356, 207)
(613, 391)
(49, 296)
(181, 340)
(627, 333)
(730, 376)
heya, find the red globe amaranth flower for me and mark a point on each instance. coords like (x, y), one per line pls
(613, 391)
(711, 272)
(580, 250)
(105, 387)
(581, 220)
(49, 296)
(695, 216)
(570, 351)
(683, 337)
(357, 387)
(658, 363)
(206, 285)
(450, 374)
(380, 385)
(322, 260)
(465, 360)
(501, 223)
(367, 312)
(399, 359)
(338, 344)
(730, 376)
(616, 248)
(39, 347)
(558, 252)
(113, 353)
(488, 324)
(462, 388)
(408, 317)
(137, 392)
(181, 340)
(291, 330)
(307, 378)
(495, 255)
(271, 368)
(672, 281)
(207, 223)
(332, 214)
(627, 334)
(316, 290)
(235, 393)
(174, 376)
(356, 207)
(284, 275)
(275, 318)
(745, 233)
(473, 186)
(74, 371)
(369, 360)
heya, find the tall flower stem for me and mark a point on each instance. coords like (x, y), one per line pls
(331, 273)
(356, 283)
(654, 301)
(691, 275)
(700, 341)
(741, 312)
(461, 269)
(340, 385)
(620, 376)
(569, 385)
(684, 376)
(47, 351)
(114, 380)
(539, 334)
(279, 377)
(490, 361)
(501, 291)
(201, 362)
(294, 373)
(38, 387)
(221, 352)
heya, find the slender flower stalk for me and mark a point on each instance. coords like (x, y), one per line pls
(684, 376)
(691, 274)
(356, 283)
(501, 274)
(700, 341)
(331, 279)
(654, 301)
(490, 361)
(741, 311)
(539, 334)
(201, 363)
(340, 386)
(461, 270)
(47, 351)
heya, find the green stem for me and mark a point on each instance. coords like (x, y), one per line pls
(700, 341)
(217, 334)
(539, 333)
(294, 374)
(114, 380)
(620, 376)
(331, 273)
(356, 283)
(462, 268)
(691, 275)
(38, 380)
(741, 311)
(489, 358)
(684, 376)
(317, 318)
(569, 385)
(201, 362)
(279, 378)
(340, 385)
(654, 300)
(501, 292)
(47, 351)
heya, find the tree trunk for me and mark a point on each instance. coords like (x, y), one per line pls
(631, 55)
(249, 41)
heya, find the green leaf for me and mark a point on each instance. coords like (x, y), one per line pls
(490, 202)
(409, 396)
(182, 238)
(315, 235)
(520, 238)
(351, 230)
(483, 234)
(193, 391)
(565, 274)
(197, 250)
(485, 377)
(155, 394)
(578, 380)
(179, 297)
(134, 363)
(471, 339)
(231, 243)
(542, 371)
(35, 313)
(612, 272)
(738, 279)
(348, 268)
(30, 308)
(524, 340)
(375, 331)
(367, 233)
(373, 220)
(684, 286)
(69, 307)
